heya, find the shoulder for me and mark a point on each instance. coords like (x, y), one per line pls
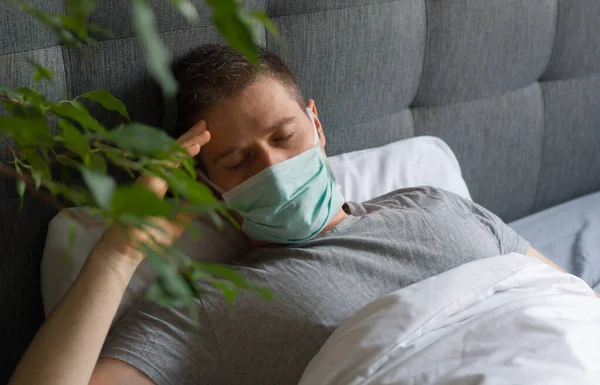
(413, 197)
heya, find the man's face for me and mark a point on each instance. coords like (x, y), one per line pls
(261, 126)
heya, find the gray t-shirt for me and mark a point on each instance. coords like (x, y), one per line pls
(384, 245)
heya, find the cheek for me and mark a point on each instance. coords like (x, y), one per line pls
(227, 181)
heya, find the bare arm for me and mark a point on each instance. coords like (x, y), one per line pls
(531, 252)
(66, 348)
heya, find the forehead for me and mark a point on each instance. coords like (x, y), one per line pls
(248, 114)
(264, 100)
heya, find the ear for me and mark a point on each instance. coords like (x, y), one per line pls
(313, 108)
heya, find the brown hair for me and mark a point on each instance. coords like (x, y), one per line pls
(214, 72)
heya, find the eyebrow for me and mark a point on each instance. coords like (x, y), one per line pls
(232, 150)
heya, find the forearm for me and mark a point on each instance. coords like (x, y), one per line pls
(66, 348)
(536, 254)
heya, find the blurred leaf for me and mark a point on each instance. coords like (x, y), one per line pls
(10, 93)
(40, 72)
(97, 28)
(21, 192)
(41, 170)
(187, 9)
(170, 289)
(228, 291)
(157, 293)
(139, 201)
(27, 132)
(74, 140)
(78, 113)
(34, 97)
(37, 179)
(157, 56)
(234, 277)
(237, 30)
(75, 24)
(56, 23)
(81, 8)
(102, 186)
(188, 165)
(71, 242)
(263, 18)
(65, 178)
(97, 163)
(193, 190)
(107, 101)
(142, 139)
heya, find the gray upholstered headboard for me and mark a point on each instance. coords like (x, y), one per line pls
(513, 86)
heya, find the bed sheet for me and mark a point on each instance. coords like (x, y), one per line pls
(568, 234)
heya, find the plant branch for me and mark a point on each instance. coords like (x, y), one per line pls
(5, 96)
(42, 195)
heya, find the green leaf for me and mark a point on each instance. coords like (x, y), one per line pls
(194, 191)
(238, 31)
(158, 294)
(138, 201)
(171, 288)
(142, 139)
(263, 18)
(188, 165)
(187, 9)
(102, 186)
(40, 72)
(75, 25)
(65, 177)
(78, 113)
(81, 8)
(157, 57)
(107, 100)
(228, 291)
(40, 169)
(231, 275)
(27, 132)
(10, 93)
(73, 139)
(97, 163)
(20, 188)
(71, 243)
(97, 28)
(37, 178)
(34, 97)
(59, 24)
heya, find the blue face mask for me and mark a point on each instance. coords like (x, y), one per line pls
(289, 202)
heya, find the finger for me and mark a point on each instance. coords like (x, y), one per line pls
(155, 184)
(200, 139)
(193, 150)
(196, 129)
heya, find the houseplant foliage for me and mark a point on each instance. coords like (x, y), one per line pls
(44, 158)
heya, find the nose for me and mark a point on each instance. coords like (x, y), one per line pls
(268, 156)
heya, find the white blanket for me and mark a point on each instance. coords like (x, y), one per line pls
(505, 320)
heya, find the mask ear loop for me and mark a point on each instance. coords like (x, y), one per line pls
(209, 182)
(317, 137)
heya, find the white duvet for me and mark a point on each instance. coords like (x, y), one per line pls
(505, 320)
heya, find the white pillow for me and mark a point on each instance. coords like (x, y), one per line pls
(363, 175)
(419, 161)
(222, 245)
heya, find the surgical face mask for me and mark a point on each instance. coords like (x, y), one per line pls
(289, 202)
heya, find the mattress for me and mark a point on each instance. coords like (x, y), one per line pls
(569, 235)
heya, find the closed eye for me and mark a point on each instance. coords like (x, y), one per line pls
(284, 139)
(240, 164)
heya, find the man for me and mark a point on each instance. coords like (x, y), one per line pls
(261, 146)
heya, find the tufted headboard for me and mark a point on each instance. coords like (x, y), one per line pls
(513, 86)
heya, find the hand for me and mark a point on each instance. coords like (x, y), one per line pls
(114, 239)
